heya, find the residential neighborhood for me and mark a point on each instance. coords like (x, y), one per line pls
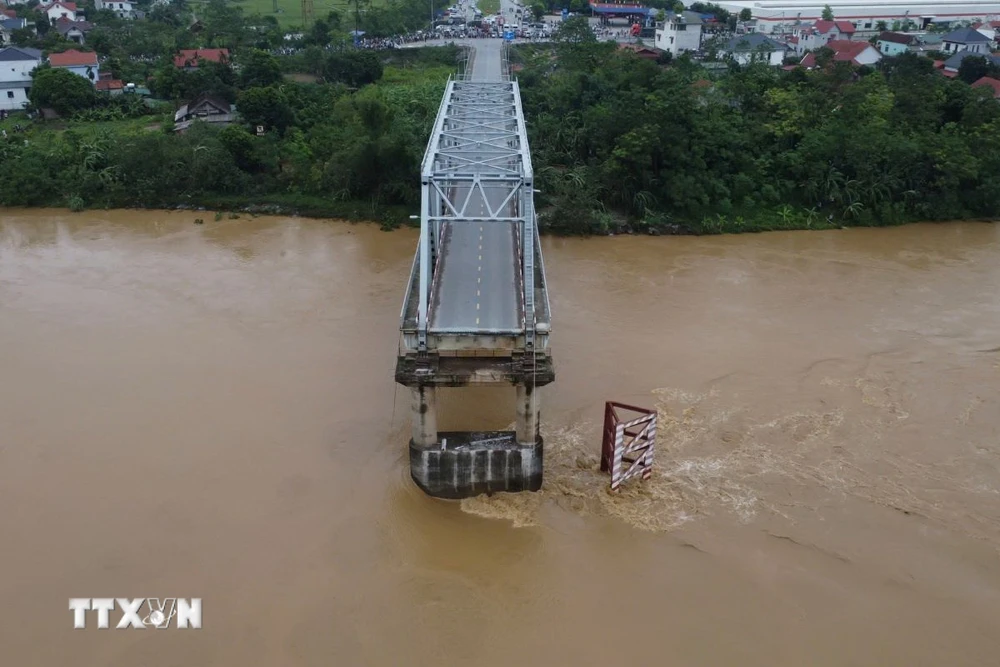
(947, 41)
(66, 27)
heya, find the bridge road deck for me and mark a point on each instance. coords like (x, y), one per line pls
(478, 287)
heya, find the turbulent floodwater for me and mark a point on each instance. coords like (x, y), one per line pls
(209, 411)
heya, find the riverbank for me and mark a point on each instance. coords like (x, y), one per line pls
(393, 218)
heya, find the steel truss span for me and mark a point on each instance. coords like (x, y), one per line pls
(478, 236)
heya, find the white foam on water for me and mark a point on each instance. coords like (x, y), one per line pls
(715, 455)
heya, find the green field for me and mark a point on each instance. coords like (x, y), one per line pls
(290, 11)
(488, 7)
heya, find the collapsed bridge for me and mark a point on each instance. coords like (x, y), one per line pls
(476, 310)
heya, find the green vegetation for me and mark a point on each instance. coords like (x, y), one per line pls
(349, 146)
(328, 150)
(289, 14)
(489, 7)
(620, 142)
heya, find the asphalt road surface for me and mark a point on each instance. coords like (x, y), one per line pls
(477, 287)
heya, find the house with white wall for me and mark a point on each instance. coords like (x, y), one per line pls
(895, 43)
(16, 65)
(124, 9)
(679, 33)
(755, 47)
(59, 10)
(966, 39)
(812, 37)
(81, 63)
(856, 53)
(988, 28)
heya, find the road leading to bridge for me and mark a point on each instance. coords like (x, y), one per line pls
(477, 287)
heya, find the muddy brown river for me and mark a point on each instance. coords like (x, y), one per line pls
(209, 411)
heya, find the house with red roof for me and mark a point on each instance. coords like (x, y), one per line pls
(110, 85)
(640, 50)
(820, 33)
(990, 29)
(856, 53)
(189, 58)
(81, 63)
(991, 83)
(59, 10)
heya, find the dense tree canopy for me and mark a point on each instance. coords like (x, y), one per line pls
(61, 90)
(324, 144)
(617, 138)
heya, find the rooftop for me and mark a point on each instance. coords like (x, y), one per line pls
(897, 38)
(109, 85)
(71, 6)
(19, 53)
(823, 27)
(843, 51)
(753, 42)
(990, 83)
(955, 61)
(13, 23)
(73, 58)
(64, 25)
(966, 36)
(190, 57)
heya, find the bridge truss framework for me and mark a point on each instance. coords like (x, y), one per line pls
(479, 146)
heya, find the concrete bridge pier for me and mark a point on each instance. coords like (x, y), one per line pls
(424, 416)
(461, 464)
(528, 422)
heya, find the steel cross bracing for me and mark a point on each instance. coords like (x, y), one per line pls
(478, 152)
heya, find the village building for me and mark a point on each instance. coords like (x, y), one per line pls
(74, 31)
(188, 59)
(207, 109)
(678, 33)
(754, 47)
(16, 65)
(856, 53)
(81, 63)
